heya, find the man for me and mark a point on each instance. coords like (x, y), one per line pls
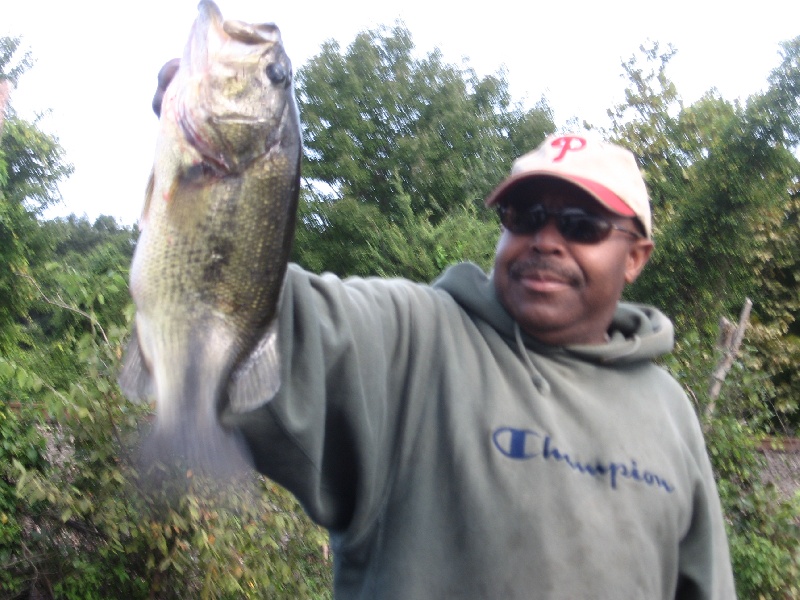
(503, 436)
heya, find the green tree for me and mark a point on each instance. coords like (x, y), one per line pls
(776, 331)
(723, 179)
(719, 174)
(398, 151)
(75, 519)
(31, 164)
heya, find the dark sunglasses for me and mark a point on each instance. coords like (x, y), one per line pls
(574, 224)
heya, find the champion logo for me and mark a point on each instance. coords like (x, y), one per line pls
(567, 143)
(526, 444)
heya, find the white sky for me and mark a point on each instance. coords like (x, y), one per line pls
(96, 61)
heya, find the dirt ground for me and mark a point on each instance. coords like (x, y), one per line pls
(783, 464)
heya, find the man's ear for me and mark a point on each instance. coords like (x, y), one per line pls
(638, 255)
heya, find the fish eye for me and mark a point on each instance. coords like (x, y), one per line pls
(276, 73)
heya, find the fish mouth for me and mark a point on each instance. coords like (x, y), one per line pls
(208, 133)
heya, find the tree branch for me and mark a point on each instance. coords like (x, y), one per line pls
(61, 304)
(729, 343)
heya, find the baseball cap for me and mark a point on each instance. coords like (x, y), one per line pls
(605, 171)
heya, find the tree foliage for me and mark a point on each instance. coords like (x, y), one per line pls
(76, 520)
(724, 183)
(400, 151)
(31, 163)
(82, 523)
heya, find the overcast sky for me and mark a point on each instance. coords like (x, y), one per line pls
(96, 61)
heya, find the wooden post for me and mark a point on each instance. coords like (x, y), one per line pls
(730, 340)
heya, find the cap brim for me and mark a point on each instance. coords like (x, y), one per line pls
(597, 191)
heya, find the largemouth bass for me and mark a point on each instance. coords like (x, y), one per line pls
(216, 232)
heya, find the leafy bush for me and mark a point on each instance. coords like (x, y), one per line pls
(79, 520)
(763, 526)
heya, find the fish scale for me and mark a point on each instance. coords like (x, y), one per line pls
(216, 232)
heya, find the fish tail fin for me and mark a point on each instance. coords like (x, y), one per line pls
(213, 451)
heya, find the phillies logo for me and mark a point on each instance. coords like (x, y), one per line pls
(567, 143)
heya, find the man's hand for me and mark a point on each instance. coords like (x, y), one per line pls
(165, 75)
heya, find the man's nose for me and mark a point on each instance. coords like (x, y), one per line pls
(548, 239)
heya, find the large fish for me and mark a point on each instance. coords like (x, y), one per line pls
(216, 232)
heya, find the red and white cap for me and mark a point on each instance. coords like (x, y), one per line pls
(605, 171)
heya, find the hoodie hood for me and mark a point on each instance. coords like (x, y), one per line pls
(637, 332)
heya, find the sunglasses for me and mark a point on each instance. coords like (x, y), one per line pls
(574, 224)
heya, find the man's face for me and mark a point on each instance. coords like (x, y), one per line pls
(563, 292)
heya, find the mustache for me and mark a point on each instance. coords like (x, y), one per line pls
(543, 265)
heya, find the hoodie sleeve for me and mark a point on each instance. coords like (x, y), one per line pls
(704, 566)
(330, 432)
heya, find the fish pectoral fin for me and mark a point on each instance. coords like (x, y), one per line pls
(148, 197)
(258, 378)
(135, 379)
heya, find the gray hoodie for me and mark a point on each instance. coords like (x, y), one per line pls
(452, 456)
